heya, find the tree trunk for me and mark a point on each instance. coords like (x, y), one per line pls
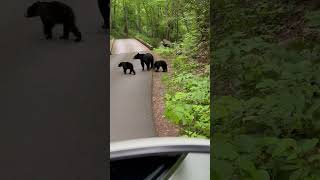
(139, 16)
(125, 9)
(177, 22)
(168, 24)
(114, 12)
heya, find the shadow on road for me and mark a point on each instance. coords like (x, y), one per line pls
(53, 97)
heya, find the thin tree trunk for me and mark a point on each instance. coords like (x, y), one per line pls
(110, 15)
(177, 22)
(114, 12)
(168, 24)
(139, 17)
(125, 19)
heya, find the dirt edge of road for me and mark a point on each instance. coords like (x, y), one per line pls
(163, 127)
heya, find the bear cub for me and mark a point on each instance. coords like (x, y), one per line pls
(125, 66)
(145, 59)
(53, 13)
(162, 64)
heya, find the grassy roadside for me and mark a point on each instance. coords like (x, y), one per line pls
(186, 93)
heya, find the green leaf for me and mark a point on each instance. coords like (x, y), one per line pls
(268, 83)
(222, 169)
(308, 145)
(283, 146)
(313, 158)
(224, 150)
(296, 175)
(245, 143)
(313, 19)
(246, 164)
(261, 175)
(290, 167)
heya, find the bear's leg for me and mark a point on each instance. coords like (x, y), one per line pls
(142, 64)
(148, 66)
(66, 31)
(48, 30)
(76, 32)
(134, 73)
(165, 68)
(125, 70)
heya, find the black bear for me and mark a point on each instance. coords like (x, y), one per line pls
(145, 59)
(161, 64)
(104, 7)
(52, 13)
(127, 65)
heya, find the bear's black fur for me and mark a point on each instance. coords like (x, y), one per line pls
(52, 13)
(145, 59)
(161, 64)
(127, 65)
(104, 6)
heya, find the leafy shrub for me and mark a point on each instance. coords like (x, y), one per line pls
(266, 125)
(187, 98)
(152, 41)
(264, 157)
(165, 52)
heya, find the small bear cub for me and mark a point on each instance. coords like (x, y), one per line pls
(162, 64)
(127, 65)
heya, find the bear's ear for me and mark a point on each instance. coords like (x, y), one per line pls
(37, 3)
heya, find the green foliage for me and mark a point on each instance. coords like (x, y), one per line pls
(187, 90)
(166, 52)
(152, 41)
(313, 19)
(187, 103)
(189, 44)
(266, 106)
(155, 20)
(277, 96)
(263, 157)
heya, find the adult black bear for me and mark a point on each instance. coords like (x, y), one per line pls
(161, 64)
(145, 59)
(52, 13)
(104, 6)
(127, 65)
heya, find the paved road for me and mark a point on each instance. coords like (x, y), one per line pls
(52, 97)
(130, 95)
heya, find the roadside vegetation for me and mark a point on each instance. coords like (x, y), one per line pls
(266, 86)
(187, 101)
(179, 31)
